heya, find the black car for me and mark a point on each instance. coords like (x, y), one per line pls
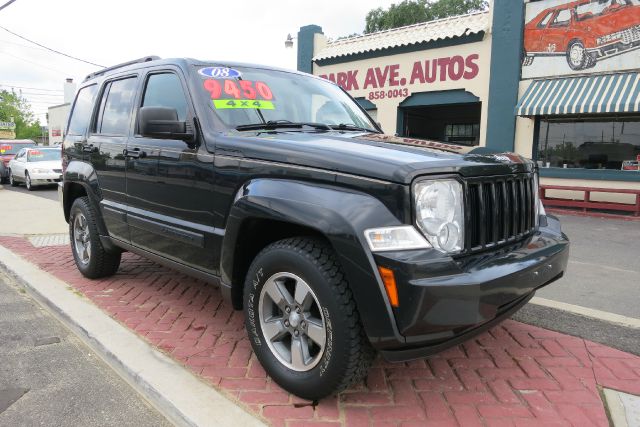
(336, 240)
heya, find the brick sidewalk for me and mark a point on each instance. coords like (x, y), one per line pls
(515, 374)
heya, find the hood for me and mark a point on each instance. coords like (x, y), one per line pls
(379, 156)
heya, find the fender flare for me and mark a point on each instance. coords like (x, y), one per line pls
(341, 215)
(83, 174)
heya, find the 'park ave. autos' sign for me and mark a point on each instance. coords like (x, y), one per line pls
(391, 81)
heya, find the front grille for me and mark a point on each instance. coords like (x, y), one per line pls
(498, 210)
(631, 35)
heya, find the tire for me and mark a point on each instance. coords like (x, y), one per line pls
(577, 56)
(305, 266)
(27, 182)
(95, 261)
(12, 180)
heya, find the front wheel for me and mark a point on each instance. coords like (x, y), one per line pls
(27, 181)
(91, 258)
(302, 320)
(577, 56)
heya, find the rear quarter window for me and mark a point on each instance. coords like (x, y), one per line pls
(82, 108)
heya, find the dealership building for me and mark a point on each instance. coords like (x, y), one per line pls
(524, 76)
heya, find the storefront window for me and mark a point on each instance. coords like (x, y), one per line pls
(453, 123)
(589, 143)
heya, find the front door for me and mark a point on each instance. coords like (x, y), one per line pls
(170, 183)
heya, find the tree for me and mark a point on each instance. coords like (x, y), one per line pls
(14, 105)
(410, 12)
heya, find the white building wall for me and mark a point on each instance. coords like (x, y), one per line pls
(388, 107)
(58, 116)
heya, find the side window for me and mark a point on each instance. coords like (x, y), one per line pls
(165, 90)
(562, 18)
(544, 21)
(82, 109)
(115, 107)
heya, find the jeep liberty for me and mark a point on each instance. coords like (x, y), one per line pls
(336, 240)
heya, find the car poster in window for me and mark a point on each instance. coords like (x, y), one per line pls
(229, 91)
(577, 37)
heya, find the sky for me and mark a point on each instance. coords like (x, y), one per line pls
(115, 31)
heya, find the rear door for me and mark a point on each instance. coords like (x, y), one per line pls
(105, 149)
(170, 182)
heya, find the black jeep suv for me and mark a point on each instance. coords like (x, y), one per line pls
(335, 239)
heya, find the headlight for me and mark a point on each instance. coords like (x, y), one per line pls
(39, 170)
(439, 213)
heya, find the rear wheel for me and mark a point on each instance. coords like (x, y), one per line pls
(91, 258)
(302, 319)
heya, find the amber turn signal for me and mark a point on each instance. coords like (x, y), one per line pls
(389, 281)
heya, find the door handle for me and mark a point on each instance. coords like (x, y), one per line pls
(136, 153)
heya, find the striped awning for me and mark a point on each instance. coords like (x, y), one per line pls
(604, 93)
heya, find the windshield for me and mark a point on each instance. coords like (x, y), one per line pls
(43, 155)
(12, 148)
(598, 7)
(246, 96)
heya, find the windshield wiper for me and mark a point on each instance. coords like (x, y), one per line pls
(344, 126)
(282, 124)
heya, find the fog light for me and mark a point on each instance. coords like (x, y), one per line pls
(395, 239)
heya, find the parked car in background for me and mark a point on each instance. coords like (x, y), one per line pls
(8, 149)
(36, 166)
(584, 31)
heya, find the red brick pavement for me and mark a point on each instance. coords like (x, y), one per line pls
(513, 375)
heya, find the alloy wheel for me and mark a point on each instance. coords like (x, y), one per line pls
(292, 321)
(81, 238)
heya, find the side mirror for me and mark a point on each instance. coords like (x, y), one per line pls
(162, 123)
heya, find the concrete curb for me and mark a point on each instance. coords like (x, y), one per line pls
(618, 319)
(179, 395)
(623, 408)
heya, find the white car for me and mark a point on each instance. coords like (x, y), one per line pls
(36, 166)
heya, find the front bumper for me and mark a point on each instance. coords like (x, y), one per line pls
(444, 301)
(45, 178)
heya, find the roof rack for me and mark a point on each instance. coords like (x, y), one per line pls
(124, 64)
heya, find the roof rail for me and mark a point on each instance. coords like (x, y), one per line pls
(124, 64)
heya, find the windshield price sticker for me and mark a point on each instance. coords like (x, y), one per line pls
(239, 91)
